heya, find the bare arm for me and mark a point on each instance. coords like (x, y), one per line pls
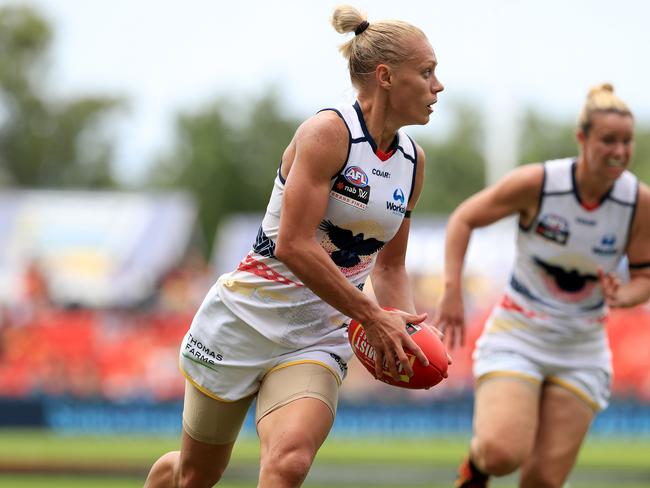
(637, 290)
(318, 152)
(389, 278)
(517, 193)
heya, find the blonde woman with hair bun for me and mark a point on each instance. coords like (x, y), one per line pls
(274, 329)
(543, 364)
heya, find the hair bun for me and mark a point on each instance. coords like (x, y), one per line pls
(347, 19)
(608, 87)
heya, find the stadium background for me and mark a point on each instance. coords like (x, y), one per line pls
(91, 366)
(99, 280)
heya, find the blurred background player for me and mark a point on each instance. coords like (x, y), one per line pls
(274, 329)
(542, 364)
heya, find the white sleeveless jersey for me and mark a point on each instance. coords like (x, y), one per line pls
(559, 253)
(367, 203)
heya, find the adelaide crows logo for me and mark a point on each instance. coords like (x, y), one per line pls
(568, 285)
(350, 246)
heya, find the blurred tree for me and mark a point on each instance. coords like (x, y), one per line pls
(45, 142)
(455, 167)
(542, 138)
(641, 158)
(227, 155)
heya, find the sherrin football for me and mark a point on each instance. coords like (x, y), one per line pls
(423, 377)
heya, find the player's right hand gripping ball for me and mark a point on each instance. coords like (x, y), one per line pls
(423, 377)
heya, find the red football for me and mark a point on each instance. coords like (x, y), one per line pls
(423, 377)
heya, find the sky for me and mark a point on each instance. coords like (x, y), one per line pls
(171, 56)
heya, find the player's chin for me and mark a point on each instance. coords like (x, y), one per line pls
(421, 120)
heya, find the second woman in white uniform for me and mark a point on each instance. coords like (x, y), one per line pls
(542, 364)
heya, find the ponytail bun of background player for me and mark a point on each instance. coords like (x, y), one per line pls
(423, 376)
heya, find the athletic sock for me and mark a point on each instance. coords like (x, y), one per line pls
(469, 476)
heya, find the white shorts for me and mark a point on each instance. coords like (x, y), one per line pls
(227, 358)
(511, 345)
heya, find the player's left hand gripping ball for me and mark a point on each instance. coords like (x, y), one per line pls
(423, 376)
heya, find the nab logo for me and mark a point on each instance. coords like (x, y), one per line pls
(398, 195)
(356, 176)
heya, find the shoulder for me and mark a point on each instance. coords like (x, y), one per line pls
(419, 152)
(409, 147)
(326, 127)
(524, 179)
(518, 191)
(320, 146)
(639, 251)
(643, 200)
(419, 175)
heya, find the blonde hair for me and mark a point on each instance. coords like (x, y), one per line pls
(384, 42)
(601, 98)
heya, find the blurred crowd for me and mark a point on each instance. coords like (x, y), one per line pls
(120, 354)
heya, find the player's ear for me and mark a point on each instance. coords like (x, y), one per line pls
(384, 76)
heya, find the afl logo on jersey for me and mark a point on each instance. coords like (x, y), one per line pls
(554, 228)
(351, 187)
(356, 176)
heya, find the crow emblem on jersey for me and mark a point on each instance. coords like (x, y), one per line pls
(568, 281)
(350, 246)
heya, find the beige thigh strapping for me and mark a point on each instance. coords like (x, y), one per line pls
(212, 421)
(291, 382)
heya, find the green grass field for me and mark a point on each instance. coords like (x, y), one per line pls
(36, 459)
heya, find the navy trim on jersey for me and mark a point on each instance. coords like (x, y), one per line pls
(394, 145)
(408, 156)
(350, 140)
(263, 245)
(519, 287)
(364, 129)
(282, 180)
(539, 203)
(627, 204)
(639, 265)
(624, 204)
(574, 165)
(634, 207)
(414, 160)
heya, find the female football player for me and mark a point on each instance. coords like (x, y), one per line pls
(274, 329)
(542, 364)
